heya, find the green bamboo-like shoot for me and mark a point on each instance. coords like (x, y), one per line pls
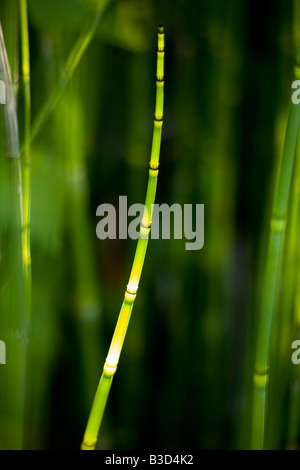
(69, 68)
(111, 363)
(278, 221)
(26, 152)
(284, 324)
(294, 331)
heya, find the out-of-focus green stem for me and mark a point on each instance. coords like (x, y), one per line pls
(294, 327)
(278, 221)
(72, 145)
(11, 34)
(13, 322)
(71, 64)
(26, 152)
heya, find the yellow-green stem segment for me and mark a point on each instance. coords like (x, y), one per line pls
(26, 153)
(111, 363)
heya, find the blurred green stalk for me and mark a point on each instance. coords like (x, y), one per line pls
(70, 66)
(13, 321)
(225, 51)
(293, 434)
(26, 152)
(72, 132)
(11, 34)
(285, 311)
(278, 221)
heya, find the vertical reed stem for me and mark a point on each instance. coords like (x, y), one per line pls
(111, 363)
(70, 66)
(278, 221)
(26, 153)
(13, 322)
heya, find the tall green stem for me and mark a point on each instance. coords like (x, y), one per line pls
(278, 221)
(111, 363)
(70, 66)
(293, 373)
(26, 152)
(13, 322)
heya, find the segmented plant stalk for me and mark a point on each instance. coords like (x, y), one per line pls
(284, 325)
(70, 66)
(294, 373)
(26, 152)
(293, 333)
(278, 221)
(110, 366)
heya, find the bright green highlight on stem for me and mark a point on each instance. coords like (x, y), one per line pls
(278, 221)
(110, 366)
(26, 152)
